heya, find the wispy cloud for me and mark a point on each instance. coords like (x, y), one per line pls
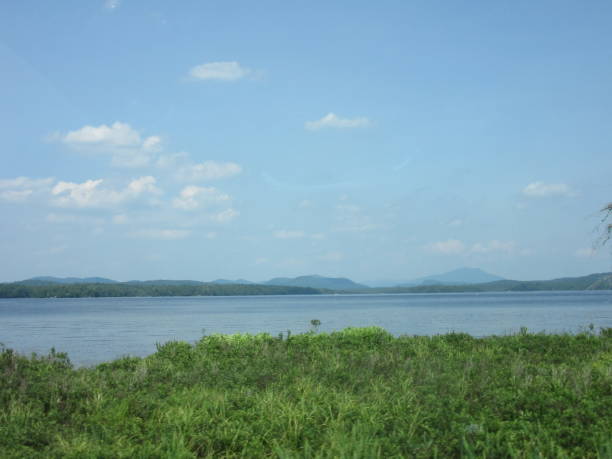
(223, 71)
(545, 190)
(207, 170)
(332, 256)
(15, 195)
(125, 145)
(25, 182)
(351, 219)
(162, 234)
(20, 189)
(225, 216)
(586, 252)
(457, 247)
(494, 246)
(448, 247)
(289, 234)
(331, 120)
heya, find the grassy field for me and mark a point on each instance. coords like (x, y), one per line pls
(359, 393)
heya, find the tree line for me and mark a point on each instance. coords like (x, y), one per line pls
(18, 290)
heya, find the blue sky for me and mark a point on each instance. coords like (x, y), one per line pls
(373, 140)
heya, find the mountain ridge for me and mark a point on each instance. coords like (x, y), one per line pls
(595, 281)
(459, 276)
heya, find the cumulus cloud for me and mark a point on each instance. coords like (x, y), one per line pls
(224, 71)
(91, 194)
(545, 190)
(125, 145)
(331, 120)
(193, 197)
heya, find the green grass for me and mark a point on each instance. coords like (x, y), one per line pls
(359, 393)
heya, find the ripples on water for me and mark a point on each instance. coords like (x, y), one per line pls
(92, 330)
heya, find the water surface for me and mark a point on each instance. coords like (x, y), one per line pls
(93, 330)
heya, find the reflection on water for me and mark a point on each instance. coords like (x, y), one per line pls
(92, 330)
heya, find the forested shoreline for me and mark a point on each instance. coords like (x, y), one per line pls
(600, 281)
(18, 290)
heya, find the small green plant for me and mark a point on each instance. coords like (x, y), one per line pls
(315, 324)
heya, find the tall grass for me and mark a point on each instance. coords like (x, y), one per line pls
(358, 393)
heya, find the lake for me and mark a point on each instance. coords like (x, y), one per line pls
(94, 330)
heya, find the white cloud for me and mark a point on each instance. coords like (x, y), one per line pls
(117, 135)
(494, 246)
(544, 190)
(90, 194)
(25, 182)
(225, 216)
(125, 145)
(331, 120)
(305, 204)
(350, 218)
(164, 234)
(120, 219)
(112, 4)
(586, 252)
(225, 71)
(193, 197)
(208, 170)
(449, 247)
(172, 160)
(142, 185)
(20, 189)
(332, 256)
(15, 195)
(152, 143)
(456, 247)
(74, 219)
(289, 234)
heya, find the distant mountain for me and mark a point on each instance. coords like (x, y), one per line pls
(314, 281)
(45, 280)
(602, 283)
(597, 281)
(165, 282)
(232, 282)
(459, 276)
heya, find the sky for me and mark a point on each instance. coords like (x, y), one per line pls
(371, 140)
